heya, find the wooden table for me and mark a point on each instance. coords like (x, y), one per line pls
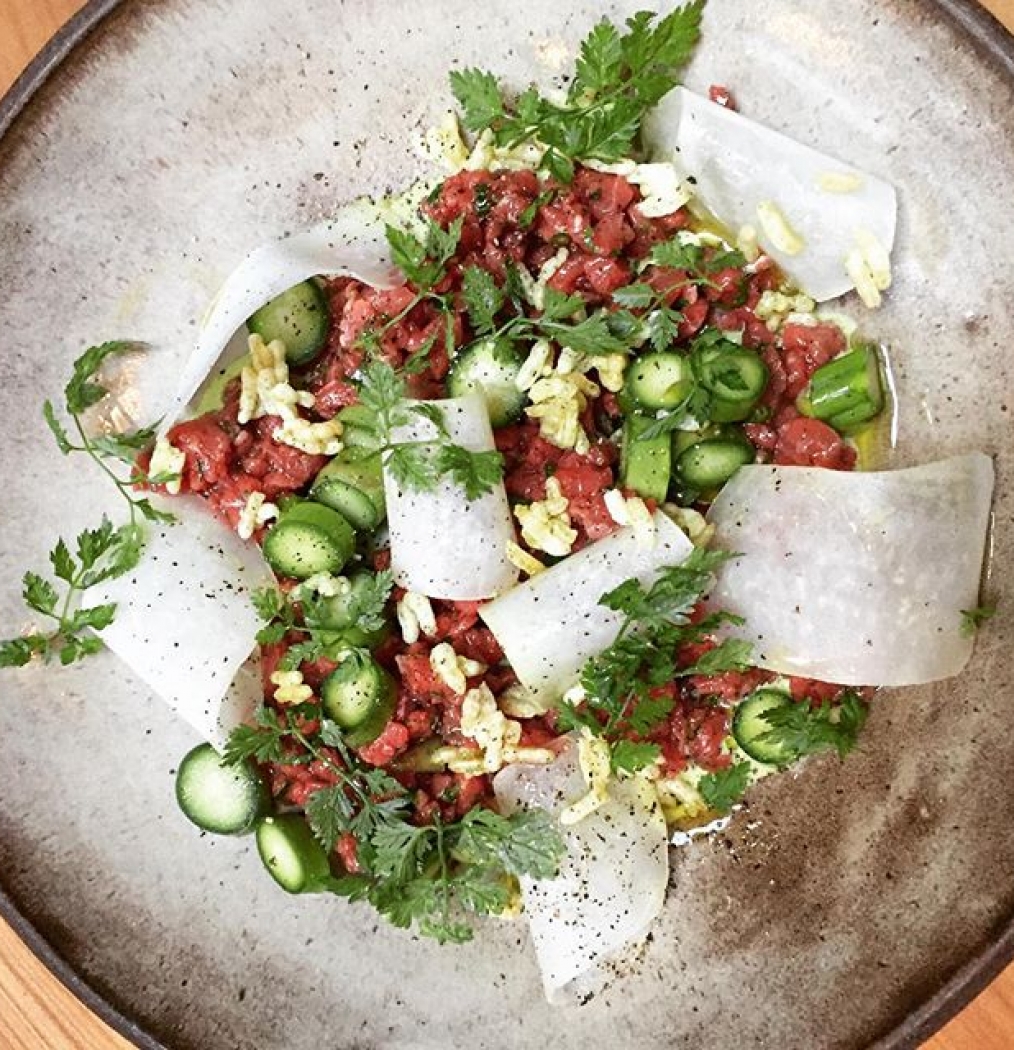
(36, 1011)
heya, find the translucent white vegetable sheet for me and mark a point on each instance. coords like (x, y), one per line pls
(552, 624)
(611, 885)
(855, 578)
(185, 622)
(443, 544)
(351, 244)
(738, 165)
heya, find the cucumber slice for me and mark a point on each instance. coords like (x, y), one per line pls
(293, 857)
(360, 696)
(307, 539)
(299, 317)
(749, 727)
(354, 488)
(734, 376)
(645, 464)
(211, 396)
(491, 367)
(339, 613)
(359, 426)
(709, 464)
(227, 800)
(659, 381)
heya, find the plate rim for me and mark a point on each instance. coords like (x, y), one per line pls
(995, 44)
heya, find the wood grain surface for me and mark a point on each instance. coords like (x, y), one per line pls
(36, 1011)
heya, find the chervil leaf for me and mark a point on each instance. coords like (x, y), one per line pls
(39, 594)
(476, 472)
(676, 255)
(649, 712)
(409, 255)
(619, 76)
(722, 789)
(81, 391)
(973, 619)
(57, 428)
(262, 742)
(329, 812)
(309, 651)
(97, 618)
(483, 299)
(674, 593)
(663, 327)
(268, 601)
(370, 601)
(629, 756)
(733, 654)
(599, 63)
(414, 467)
(635, 295)
(479, 96)
(381, 390)
(525, 843)
(802, 729)
(17, 652)
(557, 306)
(594, 335)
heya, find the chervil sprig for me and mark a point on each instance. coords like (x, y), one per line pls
(100, 554)
(621, 684)
(420, 465)
(434, 876)
(722, 789)
(83, 391)
(424, 263)
(619, 77)
(803, 729)
(302, 612)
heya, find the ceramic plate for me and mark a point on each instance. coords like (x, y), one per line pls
(853, 902)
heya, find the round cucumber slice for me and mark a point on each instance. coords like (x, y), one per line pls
(224, 799)
(750, 728)
(293, 857)
(300, 317)
(309, 538)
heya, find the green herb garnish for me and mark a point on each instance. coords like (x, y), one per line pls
(436, 876)
(722, 789)
(420, 465)
(619, 77)
(622, 683)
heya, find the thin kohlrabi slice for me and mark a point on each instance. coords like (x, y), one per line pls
(352, 244)
(611, 885)
(552, 624)
(185, 622)
(443, 544)
(855, 578)
(738, 169)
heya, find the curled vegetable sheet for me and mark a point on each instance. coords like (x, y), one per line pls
(185, 621)
(443, 544)
(739, 165)
(855, 578)
(611, 885)
(552, 624)
(351, 244)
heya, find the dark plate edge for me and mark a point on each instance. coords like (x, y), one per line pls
(990, 39)
(22, 91)
(45, 63)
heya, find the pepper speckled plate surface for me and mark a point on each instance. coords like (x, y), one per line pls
(851, 903)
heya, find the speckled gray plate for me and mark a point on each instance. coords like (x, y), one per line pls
(853, 903)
